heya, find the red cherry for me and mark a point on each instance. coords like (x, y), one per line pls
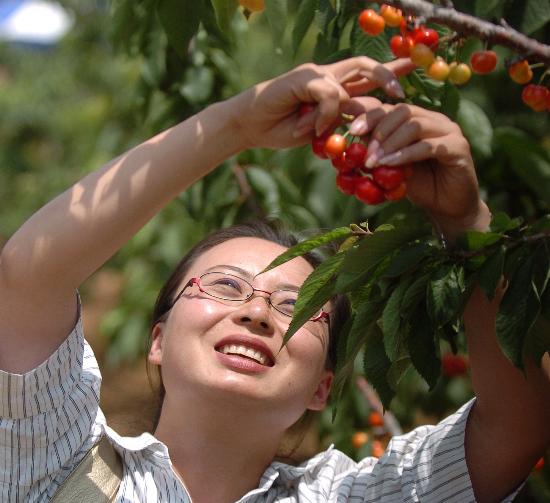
(483, 61)
(369, 192)
(520, 72)
(375, 419)
(453, 365)
(341, 163)
(426, 36)
(335, 145)
(305, 108)
(391, 15)
(539, 464)
(535, 97)
(356, 154)
(347, 182)
(398, 193)
(401, 46)
(388, 177)
(318, 146)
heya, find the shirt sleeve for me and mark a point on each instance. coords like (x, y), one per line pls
(426, 465)
(49, 419)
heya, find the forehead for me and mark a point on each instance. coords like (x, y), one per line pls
(253, 255)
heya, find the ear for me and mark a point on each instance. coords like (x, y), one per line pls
(319, 399)
(157, 336)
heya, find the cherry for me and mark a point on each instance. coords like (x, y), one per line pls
(520, 72)
(305, 108)
(535, 97)
(359, 439)
(406, 25)
(388, 177)
(341, 163)
(426, 36)
(318, 145)
(539, 464)
(335, 145)
(347, 182)
(439, 69)
(375, 419)
(398, 193)
(392, 16)
(453, 365)
(459, 73)
(483, 61)
(422, 55)
(377, 449)
(369, 192)
(355, 155)
(371, 22)
(401, 46)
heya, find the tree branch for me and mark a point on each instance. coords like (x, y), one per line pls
(465, 25)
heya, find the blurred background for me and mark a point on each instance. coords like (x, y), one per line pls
(81, 81)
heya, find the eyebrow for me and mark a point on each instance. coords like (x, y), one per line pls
(249, 276)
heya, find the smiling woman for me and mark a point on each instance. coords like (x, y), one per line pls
(229, 391)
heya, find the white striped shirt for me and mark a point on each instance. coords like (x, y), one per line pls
(50, 418)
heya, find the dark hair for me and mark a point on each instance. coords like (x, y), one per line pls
(270, 231)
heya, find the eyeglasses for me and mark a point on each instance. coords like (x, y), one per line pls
(231, 288)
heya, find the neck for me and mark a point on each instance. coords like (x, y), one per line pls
(220, 453)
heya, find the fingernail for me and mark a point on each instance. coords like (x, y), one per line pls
(358, 127)
(373, 146)
(373, 158)
(392, 159)
(394, 88)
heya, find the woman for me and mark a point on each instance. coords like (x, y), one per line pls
(224, 413)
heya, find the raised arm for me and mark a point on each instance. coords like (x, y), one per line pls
(72, 236)
(508, 427)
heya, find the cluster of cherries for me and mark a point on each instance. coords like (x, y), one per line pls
(420, 43)
(369, 185)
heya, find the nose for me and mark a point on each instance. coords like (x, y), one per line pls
(256, 314)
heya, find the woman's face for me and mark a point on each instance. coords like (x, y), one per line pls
(200, 345)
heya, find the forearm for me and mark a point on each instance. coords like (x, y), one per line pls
(73, 235)
(508, 428)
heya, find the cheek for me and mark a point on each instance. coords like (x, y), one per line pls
(199, 314)
(309, 348)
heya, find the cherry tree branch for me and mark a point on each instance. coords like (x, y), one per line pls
(466, 25)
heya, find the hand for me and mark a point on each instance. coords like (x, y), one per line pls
(267, 114)
(444, 181)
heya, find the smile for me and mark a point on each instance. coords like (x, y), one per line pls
(247, 352)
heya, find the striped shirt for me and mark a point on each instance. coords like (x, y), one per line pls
(50, 418)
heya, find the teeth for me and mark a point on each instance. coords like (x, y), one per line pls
(244, 351)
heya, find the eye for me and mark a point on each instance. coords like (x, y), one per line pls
(228, 282)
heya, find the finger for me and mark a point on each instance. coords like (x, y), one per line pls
(419, 151)
(385, 127)
(368, 111)
(329, 94)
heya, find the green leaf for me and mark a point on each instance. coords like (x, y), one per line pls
(526, 158)
(263, 183)
(304, 18)
(276, 13)
(475, 240)
(445, 293)
(317, 290)
(518, 311)
(407, 258)
(397, 371)
(415, 294)
(370, 251)
(308, 245)
(373, 47)
(450, 100)
(488, 8)
(391, 319)
(501, 222)
(422, 347)
(535, 15)
(225, 10)
(324, 15)
(490, 273)
(541, 225)
(425, 85)
(476, 126)
(180, 20)
(376, 365)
